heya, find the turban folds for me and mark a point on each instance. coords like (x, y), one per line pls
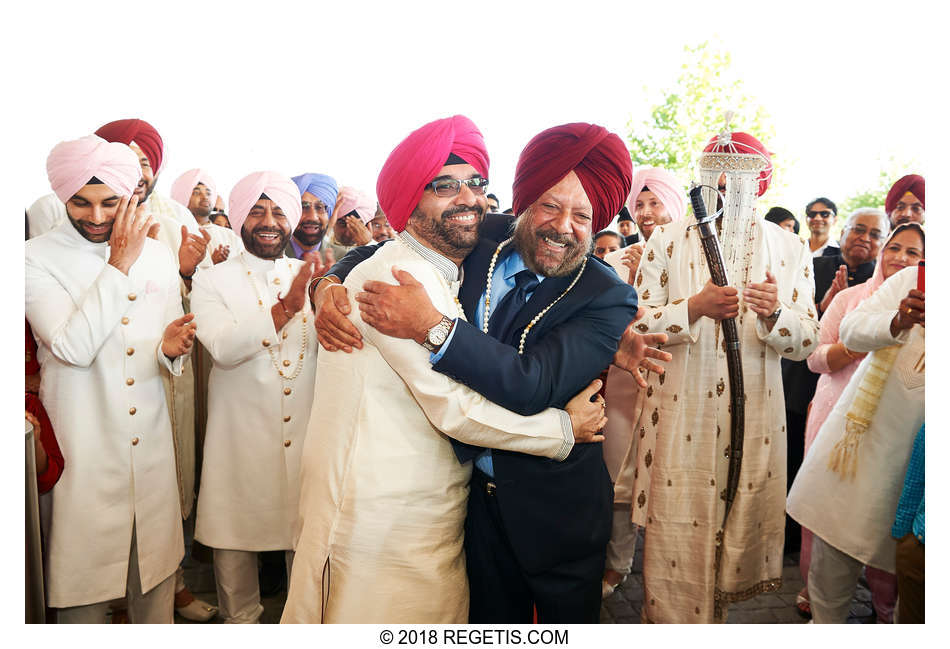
(739, 142)
(320, 185)
(139, 131)
(666, 187)
(278, 187)
(72, 164)
(186, 183)
(416, 161)
(354, 199)
(911, 183)
(598, 157)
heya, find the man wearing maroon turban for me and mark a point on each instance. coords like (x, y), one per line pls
(543, 318)
(905, 201)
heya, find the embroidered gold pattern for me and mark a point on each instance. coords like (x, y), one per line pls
(646, 294)
(784, 332)
(648, 460)
(650, 391)
(669, 250)
(655, 417)
(795, 295)
(689, 438)
(641, 500)
(674, 329)
(677, 301)
(664, 278)
(639, 279)
(643, 432)
(720, 387)
(657, 315)
(650, 255)
(642, 328)
(807, 271)
(806, 342)
(662, 379)
(788, 350)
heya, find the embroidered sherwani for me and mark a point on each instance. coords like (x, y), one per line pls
(682, 436)
(383, 495)
(855, 515)
(260, 392)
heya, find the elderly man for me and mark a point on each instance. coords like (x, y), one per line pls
(318, 195)
(820, 215)
(546, 319)
(905, 200)
(695, 564)
(837, 269)
(253, 316)
(383, 495)
(103, 302)
(195, 189)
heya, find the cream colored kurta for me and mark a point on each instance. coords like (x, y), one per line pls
(99, 334)
(855, 516)
(683, 431)
(257, 419)
(383, 496)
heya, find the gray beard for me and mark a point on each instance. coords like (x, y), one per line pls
(526, 242)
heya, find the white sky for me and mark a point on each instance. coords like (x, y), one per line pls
(313, 86)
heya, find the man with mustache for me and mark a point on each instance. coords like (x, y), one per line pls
(905, 200)
(543, 318)
(104, 304)
(259, 392)
(318, 197)
(383, 494)
(196, 190)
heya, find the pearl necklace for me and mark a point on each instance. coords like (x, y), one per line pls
(270, 350)
(534, 321)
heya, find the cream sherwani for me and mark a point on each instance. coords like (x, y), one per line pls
(855, 516)
(257, 419)
(99, 334)
(683, 431)
(383, 496)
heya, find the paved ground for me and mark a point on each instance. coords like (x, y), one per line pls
(622, 607)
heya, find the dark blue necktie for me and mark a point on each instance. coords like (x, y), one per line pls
(501, 318)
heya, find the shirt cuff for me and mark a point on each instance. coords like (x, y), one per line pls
(435, 357)
(568, 432)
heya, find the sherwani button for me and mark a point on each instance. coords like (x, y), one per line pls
(265, 342)
(125, 320)
(132, 297)
(286, 442)
(129, 381)
(130, 351)
(135, 441)
(286, 419)
(132, 410)
(287, 390)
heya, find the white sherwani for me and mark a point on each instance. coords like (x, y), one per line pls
(683, 430)
(257, 419)
(383, 496)
(855, 516)
(99, 334)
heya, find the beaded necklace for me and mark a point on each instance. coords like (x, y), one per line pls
(534, 321)
(270, 349)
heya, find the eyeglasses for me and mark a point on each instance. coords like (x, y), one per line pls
(861, 230)
(319, 208)
(448, 187)
(822, 213)
(916, 208)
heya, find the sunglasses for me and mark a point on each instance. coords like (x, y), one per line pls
(822, 213)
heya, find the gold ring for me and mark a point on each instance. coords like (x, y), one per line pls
(908, 310)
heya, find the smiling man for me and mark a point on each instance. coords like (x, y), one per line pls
(318, 195)
(905, 200)
(196, 190)
(103, 301)
(820, 215)
(260, 338)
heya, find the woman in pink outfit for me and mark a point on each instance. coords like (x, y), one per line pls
(836, 363)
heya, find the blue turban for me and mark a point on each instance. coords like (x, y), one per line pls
(320, 185)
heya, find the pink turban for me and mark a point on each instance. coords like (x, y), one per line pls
(185, 184)
(911, 183)
(354, 199)
(739, 142)
(666, 187)
(74, 163)
(416, 161)
(278, 187)
(139, 131)
(598, 157)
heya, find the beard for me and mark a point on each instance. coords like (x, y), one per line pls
(309, 239)
(81, 226)
(528, 241)
(451, 239)
(265, 250)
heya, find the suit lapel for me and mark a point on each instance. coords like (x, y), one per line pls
(476, 272)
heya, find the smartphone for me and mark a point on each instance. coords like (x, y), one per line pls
(920, 275)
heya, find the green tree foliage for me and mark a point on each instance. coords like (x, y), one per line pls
(691, 111)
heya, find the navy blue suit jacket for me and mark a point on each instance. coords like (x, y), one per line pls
(553, 511)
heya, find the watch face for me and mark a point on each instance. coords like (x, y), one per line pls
(438, 334)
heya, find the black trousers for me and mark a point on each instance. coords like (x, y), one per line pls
(502, 593)
(795, 453)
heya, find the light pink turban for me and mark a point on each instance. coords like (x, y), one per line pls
(185, 184)
(278, 187)
(662, 183)
(73, 163)
(417, 160)
(354, 199)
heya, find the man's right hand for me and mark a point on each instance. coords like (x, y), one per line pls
(192, 251)
(334, 330)
(631, 259)
(128, 235)
(716, 302)
(587, 417)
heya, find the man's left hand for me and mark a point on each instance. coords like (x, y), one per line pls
(638, 352)
(358, 233)
(762, 297)
(179, 336)
(403, 311)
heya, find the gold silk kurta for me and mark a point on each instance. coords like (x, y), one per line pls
(682, 435)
